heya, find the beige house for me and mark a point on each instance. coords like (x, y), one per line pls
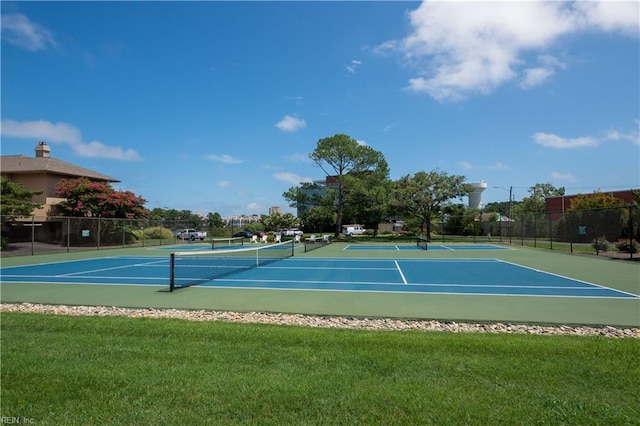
(42, 173)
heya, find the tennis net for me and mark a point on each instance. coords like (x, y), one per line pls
(422, 243)
(196, 267)
(217, 243)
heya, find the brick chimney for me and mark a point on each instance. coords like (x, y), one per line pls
(42, 150)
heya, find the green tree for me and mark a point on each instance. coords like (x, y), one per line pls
(461, 220)
(602, 213)
(527, 213)
(17, 201)
(277, 221)
(535, 203)
(177, 219)
(346, 161)
(369, 196)
(422, 195)
(501, 207)
(215, 220)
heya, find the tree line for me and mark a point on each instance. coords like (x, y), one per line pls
(358, 189)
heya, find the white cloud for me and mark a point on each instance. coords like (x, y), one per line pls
(567, 177)
(224, 184)
(555, 141)
(291, 124)
(465, 165)
(255, 208)
(96, 149)
(388, 127)
(68, 134)
(361, 142)
(18, 30)
(536, 76)
(291, 178)
(224, 158)
(610, 15)
(499, 166)
(460, 49)
(632, 136)
(299, 158)
(353, 66)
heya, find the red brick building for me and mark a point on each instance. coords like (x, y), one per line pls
(559, 205)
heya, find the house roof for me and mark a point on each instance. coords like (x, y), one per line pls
(21, 164)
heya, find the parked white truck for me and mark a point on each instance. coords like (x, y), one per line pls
(191, 234)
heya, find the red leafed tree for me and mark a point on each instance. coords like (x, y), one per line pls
(84, 198)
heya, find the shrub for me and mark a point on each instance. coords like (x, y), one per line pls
(600, 244)
(158, 232)
(627, 245)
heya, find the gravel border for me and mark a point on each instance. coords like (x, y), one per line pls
(386, 324)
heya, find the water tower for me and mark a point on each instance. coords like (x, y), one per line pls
(475, 196)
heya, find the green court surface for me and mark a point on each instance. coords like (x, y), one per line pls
(355, 301)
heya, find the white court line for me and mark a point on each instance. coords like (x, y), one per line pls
(110, 269)
(404, 280)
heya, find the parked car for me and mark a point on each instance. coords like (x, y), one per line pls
(244, 234)
(191, 234)
(351, 230)
(290, 232)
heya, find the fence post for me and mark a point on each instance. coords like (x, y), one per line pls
(550, 231)
(33, 234)
(631, 245)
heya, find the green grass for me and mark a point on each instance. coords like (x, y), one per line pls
(114, 370)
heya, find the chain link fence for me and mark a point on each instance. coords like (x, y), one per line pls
(37, 235)
(617, 227)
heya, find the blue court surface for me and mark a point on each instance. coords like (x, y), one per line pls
(432, 247)
(433, 276)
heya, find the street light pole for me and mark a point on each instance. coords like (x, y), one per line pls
(510, 211)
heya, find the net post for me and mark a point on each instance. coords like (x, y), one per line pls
(172, 272)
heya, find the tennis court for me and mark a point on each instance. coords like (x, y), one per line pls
(433, 247)
(442, 276)
(470, 282)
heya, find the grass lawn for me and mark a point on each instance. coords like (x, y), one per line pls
(116, 370)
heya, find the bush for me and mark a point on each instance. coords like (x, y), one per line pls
(4, 243)
(600, 244)
(158, 232)
(627, 245)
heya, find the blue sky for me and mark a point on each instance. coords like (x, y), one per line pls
(215, 106)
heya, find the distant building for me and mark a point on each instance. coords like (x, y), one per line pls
(275, 210)
(320, 189)
(557, 206)
(42, 173)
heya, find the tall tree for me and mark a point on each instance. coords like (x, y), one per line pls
(346, 161)
(214, 220)
(369, 196)
(535, 202)
(422, 195)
